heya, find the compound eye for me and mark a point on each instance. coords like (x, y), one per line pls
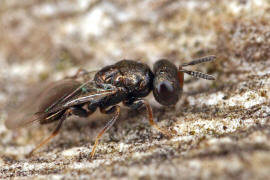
(165, 88)
(165, 93)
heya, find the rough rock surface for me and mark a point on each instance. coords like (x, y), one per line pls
(222, 127)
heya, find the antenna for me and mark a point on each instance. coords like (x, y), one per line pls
(200, 60)
(198, 74)
(195, 73)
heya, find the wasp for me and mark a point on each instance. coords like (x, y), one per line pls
(126, 81)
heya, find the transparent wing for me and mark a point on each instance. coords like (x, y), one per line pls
(24, 113)
(42, 97)
(83, 75)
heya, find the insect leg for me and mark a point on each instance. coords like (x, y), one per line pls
(54, 133)
(152, 122)
(116, 111)
(134, 104)
(139, 103)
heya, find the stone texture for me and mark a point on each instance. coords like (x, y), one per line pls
(223, 127)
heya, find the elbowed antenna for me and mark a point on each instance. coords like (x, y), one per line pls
(198, 74)
(195, 73)
(200, 60)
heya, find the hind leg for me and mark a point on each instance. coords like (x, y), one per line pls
(61, 117)
(53, 134)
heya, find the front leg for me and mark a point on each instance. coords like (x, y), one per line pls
(138, 103)
(134, 103)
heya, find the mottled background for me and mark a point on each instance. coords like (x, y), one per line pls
(223, 127)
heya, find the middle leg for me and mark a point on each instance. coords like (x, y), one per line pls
(116, 111)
